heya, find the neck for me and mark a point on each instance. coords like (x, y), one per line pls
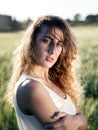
(40, 72)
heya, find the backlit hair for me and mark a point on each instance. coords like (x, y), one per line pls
(62, 72)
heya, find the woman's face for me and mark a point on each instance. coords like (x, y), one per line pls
(48, 46)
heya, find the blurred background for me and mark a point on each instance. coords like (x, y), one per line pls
(82, 17)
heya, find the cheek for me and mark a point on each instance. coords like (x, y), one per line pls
(59, 52)
(58, 55)
(39, 52)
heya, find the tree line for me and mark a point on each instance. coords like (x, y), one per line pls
(7, 23)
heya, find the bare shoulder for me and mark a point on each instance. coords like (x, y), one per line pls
(36, 99)
(34, 89)
(30, 90)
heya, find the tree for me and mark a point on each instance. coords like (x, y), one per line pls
(91, 19)
(77, 17)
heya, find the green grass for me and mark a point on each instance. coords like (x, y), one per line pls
(87, 39)
(8, 41)
(88, 45)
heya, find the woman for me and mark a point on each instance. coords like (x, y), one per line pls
(43, 86)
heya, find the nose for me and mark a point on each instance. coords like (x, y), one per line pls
(51, 48)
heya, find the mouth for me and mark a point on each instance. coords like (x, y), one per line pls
(49, 59)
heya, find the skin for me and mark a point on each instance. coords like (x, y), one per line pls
(48, 47)
(67, 122)
(47, 50)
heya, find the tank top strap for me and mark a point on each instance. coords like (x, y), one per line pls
(24, 79)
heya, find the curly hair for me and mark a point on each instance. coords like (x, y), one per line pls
(61, 73)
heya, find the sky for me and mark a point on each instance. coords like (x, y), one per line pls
(24, 9)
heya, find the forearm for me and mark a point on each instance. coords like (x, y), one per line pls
(76, 122)
(69, 122)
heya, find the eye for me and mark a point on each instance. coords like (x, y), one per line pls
(60, 44)
(46, 40)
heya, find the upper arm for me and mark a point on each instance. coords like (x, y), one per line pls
(40, 102)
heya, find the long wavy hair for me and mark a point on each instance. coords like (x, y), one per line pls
(62, 72)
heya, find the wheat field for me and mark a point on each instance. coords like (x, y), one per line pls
(87, 40)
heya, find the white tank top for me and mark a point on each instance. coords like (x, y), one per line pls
(30, 122)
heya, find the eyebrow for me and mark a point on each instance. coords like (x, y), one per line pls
(52, 38)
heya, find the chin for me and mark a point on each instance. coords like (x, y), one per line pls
(48, 66)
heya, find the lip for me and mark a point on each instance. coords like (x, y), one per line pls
(49, 59)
